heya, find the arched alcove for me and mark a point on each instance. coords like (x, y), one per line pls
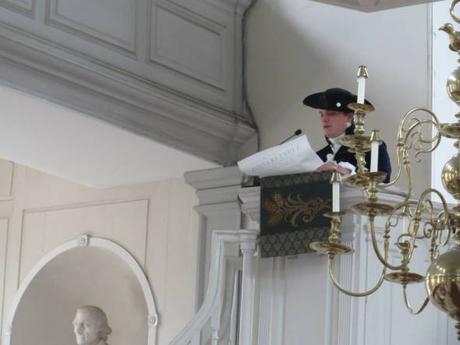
(87, 271)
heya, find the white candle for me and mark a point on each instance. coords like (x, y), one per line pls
(361, 89)
(404, 225)
(374, 155)
(335, 197)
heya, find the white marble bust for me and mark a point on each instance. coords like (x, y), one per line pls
(91, 326)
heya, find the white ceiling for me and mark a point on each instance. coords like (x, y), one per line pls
(80, 148)
(373, 5)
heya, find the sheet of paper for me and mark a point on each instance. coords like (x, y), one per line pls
(292, 157)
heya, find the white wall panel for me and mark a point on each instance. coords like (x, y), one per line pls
(107, 21)
(21, 6)
(305, 299)
(155, 222)
(3, 249)
(188, 43)
(45, 229)
(181, 245)
(6, 178)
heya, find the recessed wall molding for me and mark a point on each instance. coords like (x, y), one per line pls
(231, 5)
(117, 206)
(202, 49)
(4, 231)
(25, 7)
(111, 30)
(183, 8)
(85, 205)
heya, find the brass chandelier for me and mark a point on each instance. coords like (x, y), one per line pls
(440, 228)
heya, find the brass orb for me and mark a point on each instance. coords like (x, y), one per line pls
(450, 177)
(443, 282)
(453, 86)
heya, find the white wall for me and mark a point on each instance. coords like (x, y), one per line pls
(154, 222)
(298, 47)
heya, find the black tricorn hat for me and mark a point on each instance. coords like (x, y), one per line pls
(332, 99)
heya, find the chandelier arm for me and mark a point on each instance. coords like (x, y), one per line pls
(409, 307)
(404, 204)
(410, 215)
(382, 259)
(445, 208)
(411, 249)
(400, 156)
(426, 231)
(414, 131)
(409, 186)
(402, 130)
(352, 293)
(452, 11)
(404, 145)
(448, 237)
(414, 236)
(434, 247)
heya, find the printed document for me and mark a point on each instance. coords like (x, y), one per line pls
(293, 157)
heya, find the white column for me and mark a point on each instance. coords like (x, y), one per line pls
(248, 248)
(272, 294)
(217, 192)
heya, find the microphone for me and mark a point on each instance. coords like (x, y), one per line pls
(296, 133)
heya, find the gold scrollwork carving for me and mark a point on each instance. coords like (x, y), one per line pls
(293, 208)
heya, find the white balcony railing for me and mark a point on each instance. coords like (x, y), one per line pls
(241, 317)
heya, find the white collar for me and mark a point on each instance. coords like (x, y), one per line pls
(335, 141)
(335, 145)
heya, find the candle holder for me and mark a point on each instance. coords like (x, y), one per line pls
(332, 246)
(365, 179)
(361, 107)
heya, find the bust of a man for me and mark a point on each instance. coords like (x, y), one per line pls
(91, 326)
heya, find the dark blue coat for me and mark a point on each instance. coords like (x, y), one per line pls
(343, 155)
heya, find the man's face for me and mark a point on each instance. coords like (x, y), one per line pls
(86, 328)
(334, 123)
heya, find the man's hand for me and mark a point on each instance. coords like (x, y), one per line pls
(330, 166)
